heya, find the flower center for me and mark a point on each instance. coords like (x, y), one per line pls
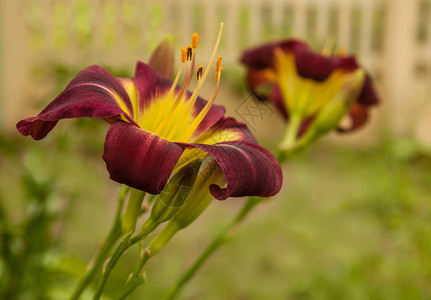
(305, 96)
(173, 115)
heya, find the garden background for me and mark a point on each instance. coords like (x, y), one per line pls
(353, 220)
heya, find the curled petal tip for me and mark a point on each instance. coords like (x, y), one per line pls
(248, 169)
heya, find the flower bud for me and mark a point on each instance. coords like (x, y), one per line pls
(200, 197)
(195, 204)
(175, 192)
(162, 58)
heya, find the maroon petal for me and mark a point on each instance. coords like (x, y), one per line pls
(358, 116)
(347, 63)
(261, 57)
(368, 95)
(313, 66)
(89, 94)
(138, 158)
(255, 78)
(149, 84)
(277, 98)
(215, 114)
(220, 132)
(318, 67)
(249, 169)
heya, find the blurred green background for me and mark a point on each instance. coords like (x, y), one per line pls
(353, 218)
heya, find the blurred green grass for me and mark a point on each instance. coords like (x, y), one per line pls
(351, 223)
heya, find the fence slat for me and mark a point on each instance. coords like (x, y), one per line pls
(322, 22)
(255, 20)
(277, 17)
(367, 9)
(15, 61)
(344, 17)
(396, 63)
(300, 18)
(400, 62)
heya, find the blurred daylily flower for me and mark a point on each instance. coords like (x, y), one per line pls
(313, 90)
(157, 127)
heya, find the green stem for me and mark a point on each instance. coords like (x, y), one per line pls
(96, 264)
(131, 285)
(136, 278)
(217, 242)
(133, 211)
(147, 228)
(289, 139)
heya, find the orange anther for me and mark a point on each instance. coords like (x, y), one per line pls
(195, 40)
(218, 62)
(199, 72)
(183, 54)
(189, 53)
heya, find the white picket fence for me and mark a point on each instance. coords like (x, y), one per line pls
(391, 37)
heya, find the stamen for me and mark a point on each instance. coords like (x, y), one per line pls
(189, 52)
(186, 82)
(216, 77)
(173, 87)
(325, 52)
(195, 40)
(191, 129)
(341, 52)
(183, 54)
(218, 62)
(193, 98)
(199, 72)
(328, 48)
(174, 129)
(177, 77)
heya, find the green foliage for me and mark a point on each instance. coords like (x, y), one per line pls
(37, 184)
(352, 223)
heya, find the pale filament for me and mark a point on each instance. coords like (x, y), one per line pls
(173, 130)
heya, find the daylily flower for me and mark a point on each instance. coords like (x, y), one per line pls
(303, 84)
(157, 127)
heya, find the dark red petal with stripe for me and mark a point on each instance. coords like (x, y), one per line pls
(215, 113)
(138, 158)
(313, 66)
(218, 134)
(149, 84)
(262, 57)
(249, 169)
(89, 94)
(318, 67)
